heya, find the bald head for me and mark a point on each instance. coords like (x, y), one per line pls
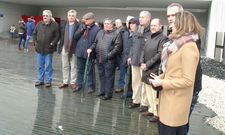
(156, 25)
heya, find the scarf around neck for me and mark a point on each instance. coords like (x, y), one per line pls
(68, 38)
(174, 45)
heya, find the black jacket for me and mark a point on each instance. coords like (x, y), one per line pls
(138, 42)
(75, 37)
(151, 54)
(107, 46)
(46, 37)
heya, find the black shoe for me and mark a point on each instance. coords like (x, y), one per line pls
(100, 95)
(47, 85)
(90, 90)
(77, 89)
(154, 119)
(133, 105)
(38, 83)
(143, 109)
(106, 98)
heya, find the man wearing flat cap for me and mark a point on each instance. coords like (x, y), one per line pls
(87, 36)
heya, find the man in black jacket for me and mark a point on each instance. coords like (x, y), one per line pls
(107, 45)
(45, 37)
(68, 44)
(150, 61)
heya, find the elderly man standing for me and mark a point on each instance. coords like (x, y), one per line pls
(139, 39)
(87, 37)
(107, 45)
(150, 62)
(45, 36)
(67, 42)
(122, 59)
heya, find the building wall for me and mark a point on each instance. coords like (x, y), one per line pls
(122, 14)
(12, 13)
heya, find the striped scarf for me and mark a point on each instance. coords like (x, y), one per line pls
(173, 46)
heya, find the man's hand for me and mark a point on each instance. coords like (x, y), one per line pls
(129, 61)
(143, 66)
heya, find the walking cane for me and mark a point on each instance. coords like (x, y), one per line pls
(85, 75)
(127, 84)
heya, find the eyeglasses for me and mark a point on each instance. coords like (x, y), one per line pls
(45, 15)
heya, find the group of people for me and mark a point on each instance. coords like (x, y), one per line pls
(165, 69)
(25, 31)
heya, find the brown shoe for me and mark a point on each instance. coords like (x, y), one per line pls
(118, 90)
(73, 86)
(154, 119)
(63, 85)
(147, 114)
(133, 105)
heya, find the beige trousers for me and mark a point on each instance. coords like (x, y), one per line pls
(69, 68)
(151, 98)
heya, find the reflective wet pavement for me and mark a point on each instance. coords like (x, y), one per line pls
(26, 110)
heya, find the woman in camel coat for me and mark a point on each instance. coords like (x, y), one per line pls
(179, 58)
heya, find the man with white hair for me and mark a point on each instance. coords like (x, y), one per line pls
(67, 43)
(139, 39)
(122, 59)
(45, 36)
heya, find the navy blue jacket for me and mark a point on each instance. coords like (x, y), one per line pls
(85, 42)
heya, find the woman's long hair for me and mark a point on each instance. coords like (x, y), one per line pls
(186, 23)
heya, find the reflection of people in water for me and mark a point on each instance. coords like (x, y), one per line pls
(44, 113)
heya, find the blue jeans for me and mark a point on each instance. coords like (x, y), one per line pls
(44, 63)
(80, 72)
(107, 77)
(21, 38)
(123, 70)
(27, 41)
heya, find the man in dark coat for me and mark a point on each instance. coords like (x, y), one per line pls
(86, 40)
(107, 46)
(45, 36)
(68, 44)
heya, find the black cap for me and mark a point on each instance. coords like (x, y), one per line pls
(134, 21)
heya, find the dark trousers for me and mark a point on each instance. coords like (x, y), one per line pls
(193, 103)
(21, 38)
(167, 130)
(107, 76)
(80, 72)
(122, 74)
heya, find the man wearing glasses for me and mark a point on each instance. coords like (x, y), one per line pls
(45, 36)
